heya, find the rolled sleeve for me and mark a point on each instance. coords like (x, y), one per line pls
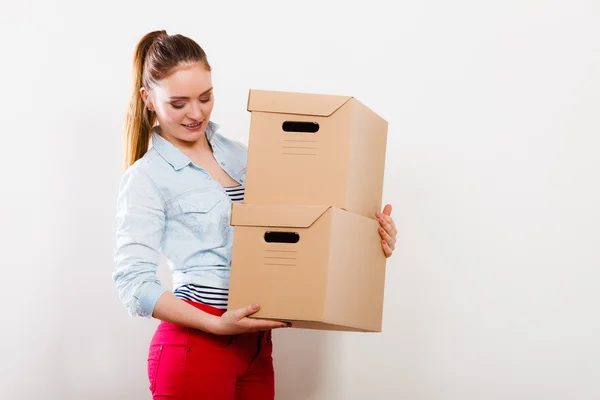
(140, 223)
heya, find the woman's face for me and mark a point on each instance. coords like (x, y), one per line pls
(183, 102)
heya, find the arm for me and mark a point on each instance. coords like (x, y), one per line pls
(140, 223)
(141, 219)
(171, 309)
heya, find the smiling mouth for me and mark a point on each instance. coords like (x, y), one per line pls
(193, 125)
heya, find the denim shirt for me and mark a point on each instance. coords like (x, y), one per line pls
(168, 205)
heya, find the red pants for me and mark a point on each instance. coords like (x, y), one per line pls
(186, 364)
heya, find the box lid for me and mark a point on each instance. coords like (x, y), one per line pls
(280, 216)
(322, 105)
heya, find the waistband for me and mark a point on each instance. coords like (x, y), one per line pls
(206, 308)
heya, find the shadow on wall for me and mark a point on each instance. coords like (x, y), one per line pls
(299, 357)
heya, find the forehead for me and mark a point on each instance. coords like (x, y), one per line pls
(189, 81)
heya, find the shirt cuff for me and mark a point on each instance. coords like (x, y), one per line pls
(148, 298)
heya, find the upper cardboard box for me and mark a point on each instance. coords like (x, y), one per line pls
(315, 149)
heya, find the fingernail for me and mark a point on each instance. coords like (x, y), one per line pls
(255, 306)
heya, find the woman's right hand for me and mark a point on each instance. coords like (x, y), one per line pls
(234, 322)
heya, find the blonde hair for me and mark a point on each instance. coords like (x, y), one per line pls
(156, 55)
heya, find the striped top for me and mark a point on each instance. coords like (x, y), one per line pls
(212, 296)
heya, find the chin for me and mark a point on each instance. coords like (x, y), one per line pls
(190, 136)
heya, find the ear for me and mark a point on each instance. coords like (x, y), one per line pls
(146, 99)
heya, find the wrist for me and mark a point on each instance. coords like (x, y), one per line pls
(212, 324)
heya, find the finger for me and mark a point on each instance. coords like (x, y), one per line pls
(385, 224)
(391, 241)
(392, 223)
(386, 249)
(387, 210)
(387, 213)
(264, 324)
(245, 311)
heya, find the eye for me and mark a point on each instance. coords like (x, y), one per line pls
(205, 99)
(177, 106)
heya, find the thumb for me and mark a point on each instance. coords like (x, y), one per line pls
(387, 210)
(245, 311)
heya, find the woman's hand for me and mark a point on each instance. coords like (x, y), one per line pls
(387, 230)
(234, 322)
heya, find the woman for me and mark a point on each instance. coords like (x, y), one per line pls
(175, 199)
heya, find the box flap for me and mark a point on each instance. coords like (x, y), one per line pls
(322, 105)
(280, 216)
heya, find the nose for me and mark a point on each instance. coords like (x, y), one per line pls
(196, 112)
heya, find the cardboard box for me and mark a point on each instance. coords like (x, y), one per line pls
(315, 149)
(319, 267)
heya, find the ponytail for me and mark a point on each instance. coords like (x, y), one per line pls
(140, 120)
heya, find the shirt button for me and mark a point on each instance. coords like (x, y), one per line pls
(222, 163)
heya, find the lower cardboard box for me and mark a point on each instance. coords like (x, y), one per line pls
(318, 267)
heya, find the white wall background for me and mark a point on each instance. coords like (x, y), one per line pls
(493, 171)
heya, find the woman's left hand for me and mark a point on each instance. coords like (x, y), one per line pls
(387, 230)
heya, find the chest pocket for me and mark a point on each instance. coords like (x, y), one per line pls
(206, 215)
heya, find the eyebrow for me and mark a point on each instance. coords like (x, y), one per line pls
(187, 98)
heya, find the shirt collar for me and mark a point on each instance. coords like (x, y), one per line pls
(172, 154)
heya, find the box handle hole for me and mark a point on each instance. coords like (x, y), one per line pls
(281, 237)
(300, 126)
